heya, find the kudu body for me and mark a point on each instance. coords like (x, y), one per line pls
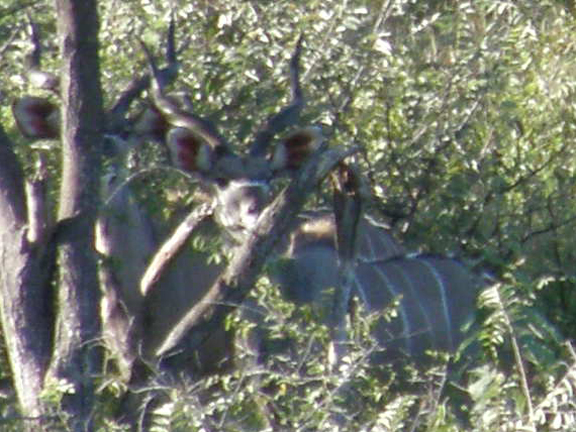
(437, 292)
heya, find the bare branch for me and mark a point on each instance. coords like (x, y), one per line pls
(166, 253)
(349, 199)
(235, 283)
(33, 62)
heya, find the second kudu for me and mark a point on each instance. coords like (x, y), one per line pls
(437, 293)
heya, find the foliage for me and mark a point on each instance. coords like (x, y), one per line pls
(465, 115)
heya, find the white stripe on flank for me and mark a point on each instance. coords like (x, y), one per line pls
(401, 309)
(445, 305)
(371, 247)
(415, 294)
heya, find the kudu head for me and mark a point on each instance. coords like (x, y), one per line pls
(238, 184)
(436, 294)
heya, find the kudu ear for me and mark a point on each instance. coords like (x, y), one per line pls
(295, 149)
(37, 118)
(189, 151)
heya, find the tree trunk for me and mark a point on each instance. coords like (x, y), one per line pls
(77, 357)
(25, 306)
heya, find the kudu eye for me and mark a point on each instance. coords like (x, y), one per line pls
(253, 208)
(222, 182)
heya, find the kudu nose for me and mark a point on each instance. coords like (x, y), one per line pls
(250, 213)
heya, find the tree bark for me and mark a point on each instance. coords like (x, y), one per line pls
(349, 197)
(169, 250)
(77, 357)
(25, 306)
(235, 283)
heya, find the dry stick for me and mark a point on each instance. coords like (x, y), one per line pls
(173, 245)
(235, 283)
(566, 383)
(518, 360)
(348, 209)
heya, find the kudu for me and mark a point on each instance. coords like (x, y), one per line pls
(437, 293)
